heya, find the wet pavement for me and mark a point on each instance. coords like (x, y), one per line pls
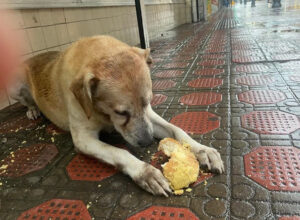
(233, 83)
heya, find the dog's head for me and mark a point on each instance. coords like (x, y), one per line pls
(120, 87)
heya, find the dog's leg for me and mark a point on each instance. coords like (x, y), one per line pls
(207, 156)
(145, 175)
(20, 92)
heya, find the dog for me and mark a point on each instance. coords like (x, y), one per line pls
(101, 83)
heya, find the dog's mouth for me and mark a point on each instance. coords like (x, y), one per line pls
(143, 141)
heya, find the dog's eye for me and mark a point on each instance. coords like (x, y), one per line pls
(123, 113)
(126, 114)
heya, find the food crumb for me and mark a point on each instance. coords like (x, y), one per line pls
(52, 139)
(178, 192)
(3, 167)
(148, 151)
(4, 140)
(99, 185)
(188, 190)
(1, 183)
(217, 198)
(88, 205)
(24, 142)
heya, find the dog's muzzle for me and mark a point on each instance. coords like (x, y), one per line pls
(145, 140)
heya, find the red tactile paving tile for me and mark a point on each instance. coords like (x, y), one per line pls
(28, 159)
(186, 53)
(86, 168)
(157, 60)
(218, 48)
(53, 129)
(202, 178)
(215, 50)
(209, 71)
(289, 218)
(274, 167)
(201, 98)
(180, 58)
(216, 43)
(213, 56)
(17, 124)
(205, 83)
(261, 96)
(295, 78)
(256, 80)
(211, 62)
(247, 59)
(196, 122)
(164, 213)
(168, 73)
(242, 47)
(270, 122)
(246, 53)
(158, 99)
(254, 68)
(58, 209)
(176, 65)
(163, 84)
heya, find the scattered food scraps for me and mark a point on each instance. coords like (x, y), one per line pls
(3, 167)
(178, 192)
(188, 190)
(4, 140)
(88, 205)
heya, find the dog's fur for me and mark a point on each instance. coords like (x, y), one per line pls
(98, 83)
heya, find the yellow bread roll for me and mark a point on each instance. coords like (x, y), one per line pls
(182, 169)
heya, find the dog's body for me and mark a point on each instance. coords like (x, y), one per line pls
(97, 83)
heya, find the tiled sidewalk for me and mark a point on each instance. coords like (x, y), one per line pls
(233, 83)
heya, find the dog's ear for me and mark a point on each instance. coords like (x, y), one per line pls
(144, 53)
(83, 88)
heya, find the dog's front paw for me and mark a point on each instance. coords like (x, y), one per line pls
(33, 113)
(210, 159)
(152, 180)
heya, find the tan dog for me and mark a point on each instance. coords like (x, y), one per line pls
(97, 83)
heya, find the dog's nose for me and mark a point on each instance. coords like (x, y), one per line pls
(145, 141)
